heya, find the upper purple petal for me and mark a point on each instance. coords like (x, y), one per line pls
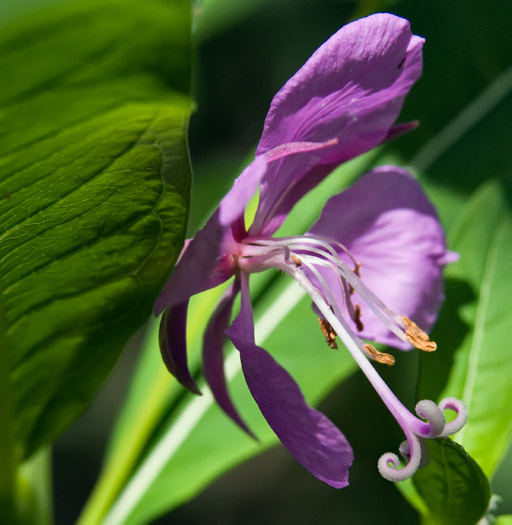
(213, 355)
(172, 338)
(389, 225)
(352, 90)
(363, 71)
(308, 434)
(201, 265)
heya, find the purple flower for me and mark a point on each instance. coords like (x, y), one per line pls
(372, 262)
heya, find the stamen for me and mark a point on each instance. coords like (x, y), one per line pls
(354, 311)
(357, 318)
(357, 271)
(327, 255)
(380, 357)
(296, 260)
(331, 242)
(417, 337)
(323, 253)
(329, 333)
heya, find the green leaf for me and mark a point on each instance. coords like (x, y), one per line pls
(504, 520)
(7, 457)
(474, 328)
(94, 191)
(453, 486)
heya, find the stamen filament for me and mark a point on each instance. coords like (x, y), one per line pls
(326, 255)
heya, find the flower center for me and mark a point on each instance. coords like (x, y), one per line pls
(321, 266)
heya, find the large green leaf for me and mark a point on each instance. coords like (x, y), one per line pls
(94, 190)
(453, 486)
(475, 326)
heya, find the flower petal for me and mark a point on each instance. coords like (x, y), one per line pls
(172, 337)
(390, 226)
(201, 265)
(308, 434)
(213, 355)
(351, 89)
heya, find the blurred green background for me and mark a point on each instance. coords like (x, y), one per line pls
(245, 51)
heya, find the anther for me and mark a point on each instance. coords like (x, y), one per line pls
(417, 337)
(357, 271)
(296, 260)
(329, 333)
(357, 318)
(380, 357)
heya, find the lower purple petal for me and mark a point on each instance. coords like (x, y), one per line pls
(173, 344)
(213, 355)
(314, 441)
(309, 435)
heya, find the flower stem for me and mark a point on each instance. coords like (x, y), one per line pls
(34, 489)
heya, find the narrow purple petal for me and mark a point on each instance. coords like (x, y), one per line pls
(173, 344)
(243, 325)
(201, 265)
(213, 355)
(308, 434)
(390, 226)
(352, 90)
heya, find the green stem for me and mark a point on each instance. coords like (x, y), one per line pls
(124, 458)
(7, 458)
(127, 452)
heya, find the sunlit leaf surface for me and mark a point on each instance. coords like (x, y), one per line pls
(94, 190)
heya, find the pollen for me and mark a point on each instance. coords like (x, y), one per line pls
(380, 357)
(417, 337)
(329, 333)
